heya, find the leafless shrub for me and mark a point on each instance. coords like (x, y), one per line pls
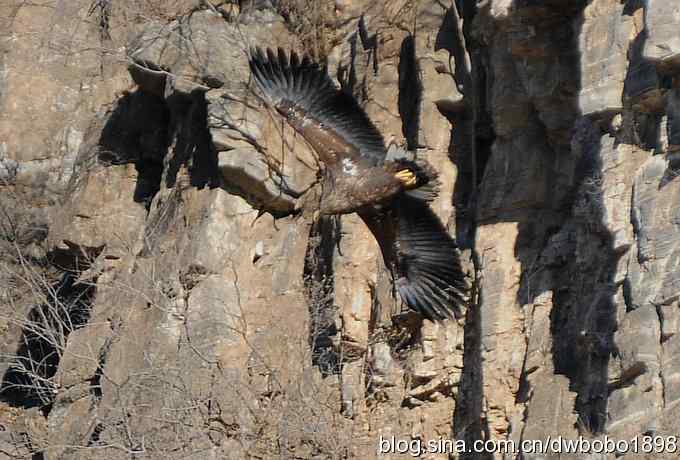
(277, 405)
(44, 335)
(176, 403)
(44, 305)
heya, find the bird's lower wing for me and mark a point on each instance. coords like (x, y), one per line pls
(422, 256)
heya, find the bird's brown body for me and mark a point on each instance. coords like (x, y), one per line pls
(390, 196)
(351, 182)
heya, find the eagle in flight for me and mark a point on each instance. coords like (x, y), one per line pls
(390, 196)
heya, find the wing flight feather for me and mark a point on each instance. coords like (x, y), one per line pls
(422, 255)
(306, 85)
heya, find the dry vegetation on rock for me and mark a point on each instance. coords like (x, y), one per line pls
(161, 297)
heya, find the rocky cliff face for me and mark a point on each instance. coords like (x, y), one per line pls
(163, 297)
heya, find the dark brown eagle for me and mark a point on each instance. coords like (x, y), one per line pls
(390, 196)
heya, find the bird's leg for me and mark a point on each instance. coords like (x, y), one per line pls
(407, 177)
(308, 204)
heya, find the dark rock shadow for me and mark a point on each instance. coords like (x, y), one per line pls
(347, 73)
(45, 331)
(193, 143)
(160, 136)
(138, 132)
(324, 237)
(581, 274)
(583, 318)
(472, 136)
(583, 315)
(410, 92)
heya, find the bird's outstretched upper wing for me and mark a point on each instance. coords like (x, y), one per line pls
(424, 258)
(303, 91)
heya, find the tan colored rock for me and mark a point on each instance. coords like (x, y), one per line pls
(204, 337)
(661, 44)
(604, 42)
(102, 211)
(65, 67)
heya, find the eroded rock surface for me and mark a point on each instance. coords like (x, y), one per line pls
(161, 264)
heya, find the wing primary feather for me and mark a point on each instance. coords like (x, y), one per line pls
(427, 301)
(412, 300)
(294, 59)
(444, 281)
(438, 288)
(285, 68)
